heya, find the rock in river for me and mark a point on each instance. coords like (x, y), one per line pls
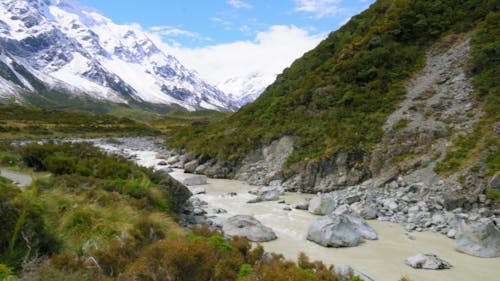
(480, 239)
(267, 193)
(303, 204)
(427, 261)
(340, 230)
(323, 204)
(249, 227)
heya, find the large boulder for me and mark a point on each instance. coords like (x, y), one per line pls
(249, 227)
(303, 204)
(366, 210)
(191, 166)
(427, 261)
(340, 230)
(481, 239)
(195, 180)
(267, 193)
(323, 204)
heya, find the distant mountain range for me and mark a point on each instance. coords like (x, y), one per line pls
(59, 46)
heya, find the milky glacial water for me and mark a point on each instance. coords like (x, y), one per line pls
(382, 260)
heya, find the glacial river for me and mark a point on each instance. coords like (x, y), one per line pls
(382, 260)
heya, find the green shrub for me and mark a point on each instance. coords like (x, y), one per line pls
(108, 168)
(245, 270)
(82, 222)
(60, 165)
(493, 195)
(9, 159)
(4, 271)
(401, 124)
(23, 232)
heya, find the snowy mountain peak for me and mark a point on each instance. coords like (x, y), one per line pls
(67, 45)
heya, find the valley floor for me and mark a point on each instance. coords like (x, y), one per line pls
(382, 259)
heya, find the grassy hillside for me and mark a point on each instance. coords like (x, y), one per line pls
(179, 119)
(339, 95)
(54, 99)
(20, 122)
(100, 217)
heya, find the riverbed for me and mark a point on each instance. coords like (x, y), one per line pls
(383, 259)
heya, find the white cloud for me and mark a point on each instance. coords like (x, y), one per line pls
(165, 30)
(320, 8)
(268, 54)
(238, 4)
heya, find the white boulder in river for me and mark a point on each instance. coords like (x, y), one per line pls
(323, 204)
(481, 239)
(427, 261)
(267, 193)
(249, 227)
(342, 228)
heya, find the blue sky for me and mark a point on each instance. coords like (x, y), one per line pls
(197, 23)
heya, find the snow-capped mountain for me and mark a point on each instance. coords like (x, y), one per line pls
(246, 89)
(59, 44)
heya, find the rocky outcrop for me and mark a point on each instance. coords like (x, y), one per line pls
(333, 173)
(427, 261)
(340, 229)
(481, 238)
(264, 165)
(249, 227)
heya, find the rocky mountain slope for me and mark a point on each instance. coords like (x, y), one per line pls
(61, 46)
(407, 88)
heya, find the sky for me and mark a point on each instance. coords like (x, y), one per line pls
(224, 38)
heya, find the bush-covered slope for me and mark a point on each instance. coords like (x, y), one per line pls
(338, 96)
(100, 217)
